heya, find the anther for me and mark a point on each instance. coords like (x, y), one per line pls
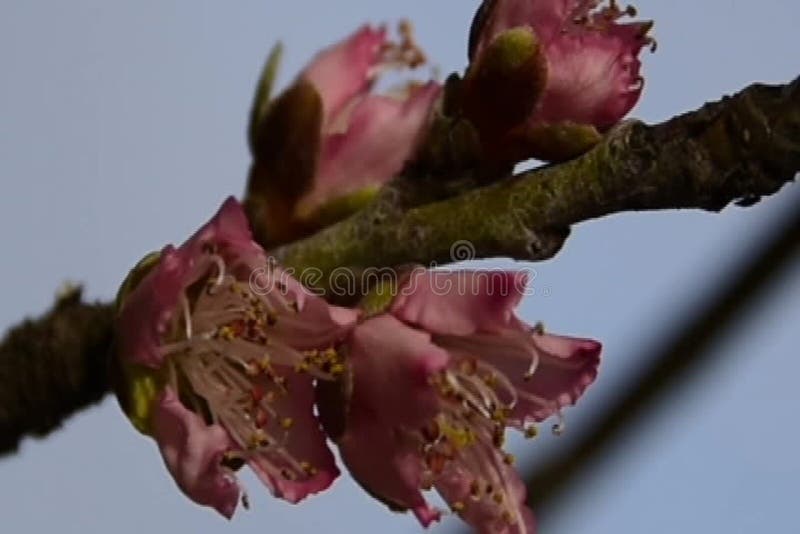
(475, 489)
(257, 393)
(308, 468)
(259, 439)
(262, 418)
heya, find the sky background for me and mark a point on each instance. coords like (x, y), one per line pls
(122, 129)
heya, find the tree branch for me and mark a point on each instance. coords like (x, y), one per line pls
(52, 367)
(740, 148)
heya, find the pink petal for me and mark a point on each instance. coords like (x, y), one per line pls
(565, 367)
(149, 309)
(316, 324)
(485, 516)
(192, 452)
(385, 468)
(391, 364)
(347, 69)
(460, 302)
(592, 79)
(305, 442)
(229, 229)
(568, 366)
(380, 138)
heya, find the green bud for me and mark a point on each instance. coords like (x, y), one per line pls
(503, 85)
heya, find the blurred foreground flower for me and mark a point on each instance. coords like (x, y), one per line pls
(549, 76)
(326, 145)
(218, 349)
(434, 382)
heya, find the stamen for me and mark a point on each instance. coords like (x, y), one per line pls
(532, 367)
(187, 315)
(220, 263)
(406, 53)
(232, 373)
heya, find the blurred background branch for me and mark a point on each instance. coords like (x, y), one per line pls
(673, 365)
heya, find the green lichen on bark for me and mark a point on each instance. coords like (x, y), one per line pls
(738, 149)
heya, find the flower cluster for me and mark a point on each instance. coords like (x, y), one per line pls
(226, 360)
(221, 369)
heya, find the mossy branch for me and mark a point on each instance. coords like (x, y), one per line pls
(738, 149)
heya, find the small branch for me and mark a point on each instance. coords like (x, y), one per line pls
(52, 367)
(738, 149)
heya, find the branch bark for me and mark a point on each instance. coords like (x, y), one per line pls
(737, 149)
(52, 367)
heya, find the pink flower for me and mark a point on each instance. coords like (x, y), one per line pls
(591, 64)
(233, 343)
(435, 381)
(329, 143)
(366, 138)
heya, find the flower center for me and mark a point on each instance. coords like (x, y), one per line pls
(231, 356)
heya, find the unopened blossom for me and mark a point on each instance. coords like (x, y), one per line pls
(434, 382)
(584, 72)
(361, 140)
(219, 348)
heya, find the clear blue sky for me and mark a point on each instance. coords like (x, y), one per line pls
(121, 128)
